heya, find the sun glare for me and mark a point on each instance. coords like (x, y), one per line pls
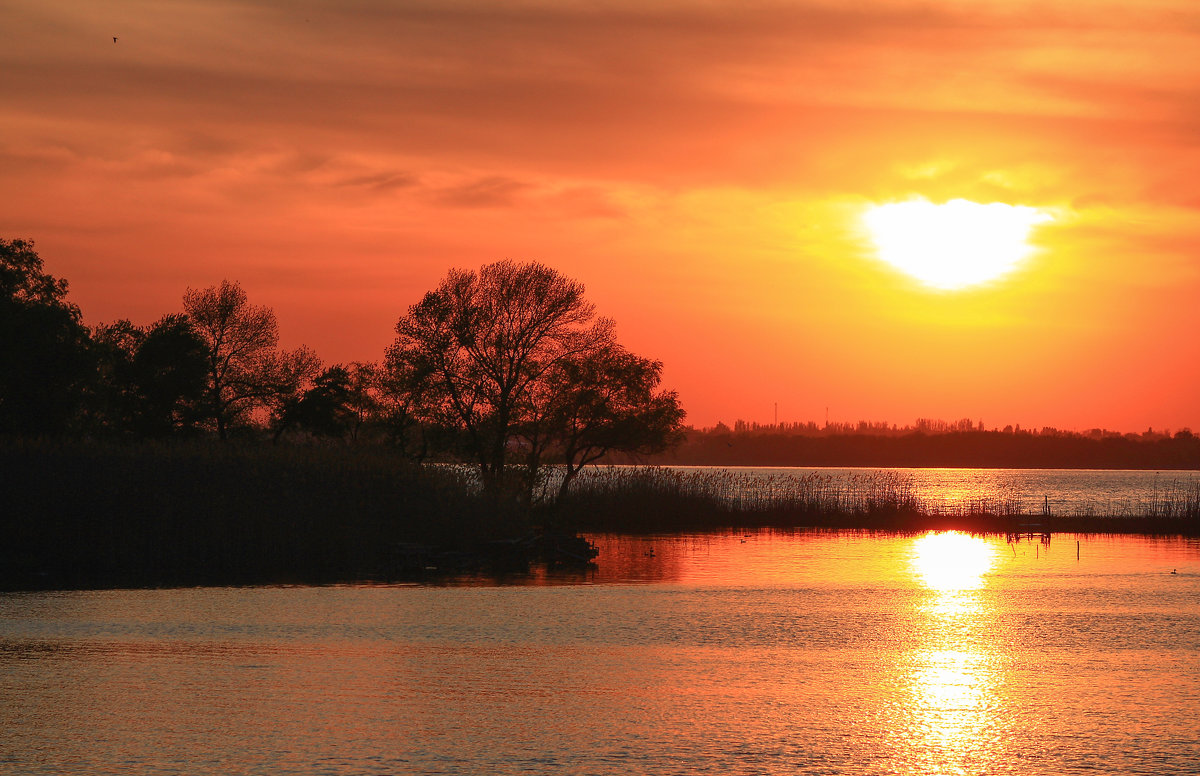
(953, 245)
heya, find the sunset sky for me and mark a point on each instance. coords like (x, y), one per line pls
(703, 167)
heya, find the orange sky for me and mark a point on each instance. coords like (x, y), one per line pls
(702, 167)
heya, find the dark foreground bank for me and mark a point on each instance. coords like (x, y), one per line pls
(92, 516)
(79, 515)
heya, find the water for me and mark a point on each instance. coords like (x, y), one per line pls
(774, 653)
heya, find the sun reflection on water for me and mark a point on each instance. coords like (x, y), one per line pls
(954, 683)
(950, 680)
(952, 560)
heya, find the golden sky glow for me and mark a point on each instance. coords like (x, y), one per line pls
(704, 168)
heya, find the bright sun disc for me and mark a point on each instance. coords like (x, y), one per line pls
(954, 245)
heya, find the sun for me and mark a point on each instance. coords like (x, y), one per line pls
(953, 245)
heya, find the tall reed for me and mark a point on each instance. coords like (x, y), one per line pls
(649, 499)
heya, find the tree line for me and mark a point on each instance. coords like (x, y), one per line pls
(507, 368)
(915, 447)
(921, 426)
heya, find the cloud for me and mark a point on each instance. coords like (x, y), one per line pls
(490, 192)
(381, 181)
(671, 93)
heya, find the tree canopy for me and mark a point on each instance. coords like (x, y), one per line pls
(513, 361)
(245, 370)
(603, 401)
(45, 361)
(151, 380)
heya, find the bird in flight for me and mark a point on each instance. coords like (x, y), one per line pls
(114, 39)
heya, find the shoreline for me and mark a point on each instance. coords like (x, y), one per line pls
(438, 566)
(92, 516)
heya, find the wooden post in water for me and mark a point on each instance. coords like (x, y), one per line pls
(1076, 549)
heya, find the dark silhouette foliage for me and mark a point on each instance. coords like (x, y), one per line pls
(245, 370)
(240, 338)
(1046, 449)
(45, 360)
(170, 371)
(343, 403)
(326, 409)
(151, 381)
(87, 514)
(600, 402)
(510, 366)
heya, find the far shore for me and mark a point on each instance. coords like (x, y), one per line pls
(914, 448)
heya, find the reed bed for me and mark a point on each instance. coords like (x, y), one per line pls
(651, 499)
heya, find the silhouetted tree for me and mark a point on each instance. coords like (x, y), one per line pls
(150, 382)
(245, 371)
(322, 410)
(602, 402)
(170, 371)
(113, 393)
(342, 401)
(407, 423)
(364, 401)
(494, 359)
(45, 360)
(287, 375)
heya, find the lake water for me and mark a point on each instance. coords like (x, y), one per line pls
(773, 653)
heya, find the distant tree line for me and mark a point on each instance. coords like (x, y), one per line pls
(508, 369)
(933, 445)
(920, 426)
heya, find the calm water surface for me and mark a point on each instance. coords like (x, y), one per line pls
(768, 654)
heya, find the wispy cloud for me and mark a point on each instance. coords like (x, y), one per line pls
(493, 191)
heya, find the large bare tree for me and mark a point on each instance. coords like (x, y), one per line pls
(473, 351)
(245, 370)
(497, 356)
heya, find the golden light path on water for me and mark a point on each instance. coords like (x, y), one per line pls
(954, 688)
